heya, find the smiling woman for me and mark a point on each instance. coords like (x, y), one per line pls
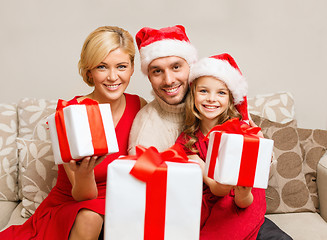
(75, 207)
(111, 77)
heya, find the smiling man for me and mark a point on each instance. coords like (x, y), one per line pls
(166, 56)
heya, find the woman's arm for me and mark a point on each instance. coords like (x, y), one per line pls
(81, 176)
(216, 188)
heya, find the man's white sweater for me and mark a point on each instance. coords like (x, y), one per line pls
(157, 124)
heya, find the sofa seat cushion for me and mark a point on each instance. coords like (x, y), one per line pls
(16, 217)
(6, 209)
(301, 226)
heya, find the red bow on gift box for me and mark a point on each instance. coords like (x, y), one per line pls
(63, 103)
(234, 125)
(149, 160)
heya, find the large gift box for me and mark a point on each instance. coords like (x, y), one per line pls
(237, 156)
(155, 196)
(81, 130)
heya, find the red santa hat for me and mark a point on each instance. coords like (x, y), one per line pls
(164, 42)
(224, 67)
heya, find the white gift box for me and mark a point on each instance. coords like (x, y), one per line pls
(78, 133)
(226, 167)
(126, 202)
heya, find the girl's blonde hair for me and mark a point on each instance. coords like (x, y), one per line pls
(193, 118)
(99, 44)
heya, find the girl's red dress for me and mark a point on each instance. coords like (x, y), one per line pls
(55, 216)
(220, 216)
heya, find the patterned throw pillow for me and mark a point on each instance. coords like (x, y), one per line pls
(314, 146)
(8, 152)
(32, 116)
(287, 189)
(38, 172)
(277, 107)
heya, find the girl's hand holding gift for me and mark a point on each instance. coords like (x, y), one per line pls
(252, 124)
(216, 188)
(243, 196)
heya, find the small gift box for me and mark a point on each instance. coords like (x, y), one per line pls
(236, 156)
(153, 196)
(81, 130)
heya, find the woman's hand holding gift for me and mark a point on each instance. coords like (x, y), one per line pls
(81, 176)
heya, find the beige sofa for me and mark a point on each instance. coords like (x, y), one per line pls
(296, 196)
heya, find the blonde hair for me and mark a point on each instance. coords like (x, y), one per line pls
(193, 118)
(99, 44)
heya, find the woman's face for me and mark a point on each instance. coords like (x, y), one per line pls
(111, 77)
(211, 97)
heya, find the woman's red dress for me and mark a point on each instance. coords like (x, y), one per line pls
(54, 218)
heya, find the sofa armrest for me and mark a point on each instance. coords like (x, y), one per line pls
(322, 186)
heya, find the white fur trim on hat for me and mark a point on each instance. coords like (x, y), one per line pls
(222, 70)
(166, 48)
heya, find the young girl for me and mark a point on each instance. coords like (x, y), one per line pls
(217, 94)
(75, 207)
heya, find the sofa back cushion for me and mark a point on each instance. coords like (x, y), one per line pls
(314, 145)
(277, 107)
(38, 172)
(8, 152)
(287, 189)
(32, 118)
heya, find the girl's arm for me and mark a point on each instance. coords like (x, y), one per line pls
(216, 188)
(81, 176)
(243, 196)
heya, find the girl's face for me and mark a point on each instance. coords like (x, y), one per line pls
(111, 77)
(211, 97)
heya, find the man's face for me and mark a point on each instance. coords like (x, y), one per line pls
(168, 77)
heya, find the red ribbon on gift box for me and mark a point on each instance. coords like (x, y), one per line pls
(150, 167)
(249, 153)
(99, 140)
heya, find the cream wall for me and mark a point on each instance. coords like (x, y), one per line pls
(279, 45)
